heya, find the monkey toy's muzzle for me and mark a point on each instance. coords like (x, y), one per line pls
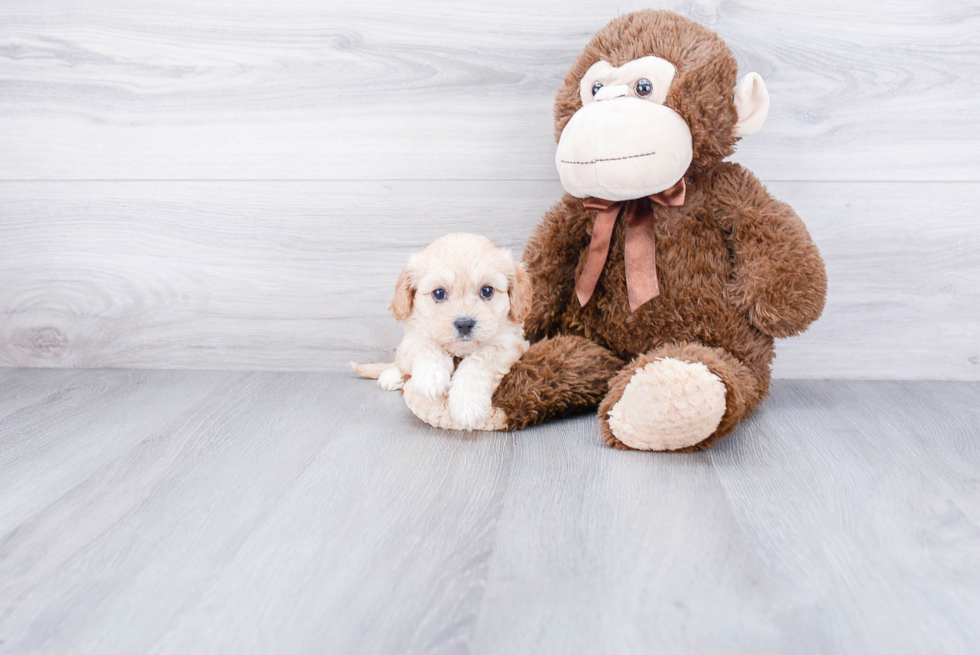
(621, 148)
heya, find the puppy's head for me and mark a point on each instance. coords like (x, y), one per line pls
(460, 290)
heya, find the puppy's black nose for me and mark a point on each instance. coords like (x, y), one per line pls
(464, 325)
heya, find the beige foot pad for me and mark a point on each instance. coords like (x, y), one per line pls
(667, 405)
(436, 413)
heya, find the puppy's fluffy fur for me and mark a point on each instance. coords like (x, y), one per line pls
(459, 279)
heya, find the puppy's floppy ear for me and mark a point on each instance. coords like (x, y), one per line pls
(521, 291)
(401, 304)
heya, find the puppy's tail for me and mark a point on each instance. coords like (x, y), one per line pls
(371, 371)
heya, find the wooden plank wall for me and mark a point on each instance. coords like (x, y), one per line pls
(206, 184)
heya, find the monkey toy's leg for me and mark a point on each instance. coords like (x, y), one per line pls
(680, 396)
(556, 377)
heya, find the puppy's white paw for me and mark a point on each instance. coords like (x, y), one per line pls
(432, 382)
(391, 379)
(467, 409)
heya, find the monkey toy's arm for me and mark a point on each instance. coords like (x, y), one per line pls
(779, 277)
(551, 255)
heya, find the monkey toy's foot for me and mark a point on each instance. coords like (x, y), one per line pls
(663, 404)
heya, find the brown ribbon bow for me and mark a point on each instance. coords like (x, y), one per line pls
(641, 244)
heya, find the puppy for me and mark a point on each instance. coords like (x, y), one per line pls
(463, 303)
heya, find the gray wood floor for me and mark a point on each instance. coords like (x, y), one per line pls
(185, 512)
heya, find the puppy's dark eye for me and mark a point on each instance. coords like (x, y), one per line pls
(487, 292)
(596, 87)
(439, 295)
(643, 88)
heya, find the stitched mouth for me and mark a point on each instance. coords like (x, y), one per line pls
(593, 161)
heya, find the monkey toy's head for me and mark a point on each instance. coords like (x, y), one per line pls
(651, 96)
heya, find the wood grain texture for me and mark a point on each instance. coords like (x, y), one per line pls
(831, 471)
(806, 531)
(298, 276)
(349, 136)
(176, 511)
(301, 89)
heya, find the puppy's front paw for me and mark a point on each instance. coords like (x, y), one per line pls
(467, 409)
(432, 382)
(391, 379)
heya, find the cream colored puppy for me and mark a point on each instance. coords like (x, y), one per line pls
(462, 300)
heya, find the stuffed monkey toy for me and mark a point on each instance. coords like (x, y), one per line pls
(663, 275)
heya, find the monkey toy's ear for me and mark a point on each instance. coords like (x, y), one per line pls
(751, 103)
(401, 304)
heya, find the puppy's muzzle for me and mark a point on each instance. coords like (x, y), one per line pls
(464, 325)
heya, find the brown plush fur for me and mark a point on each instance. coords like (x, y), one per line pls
(736, 268)
(555, 377)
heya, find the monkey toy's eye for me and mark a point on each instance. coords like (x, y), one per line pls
(596, 87)
(439, 295)
(643, 88)
(487, 292)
